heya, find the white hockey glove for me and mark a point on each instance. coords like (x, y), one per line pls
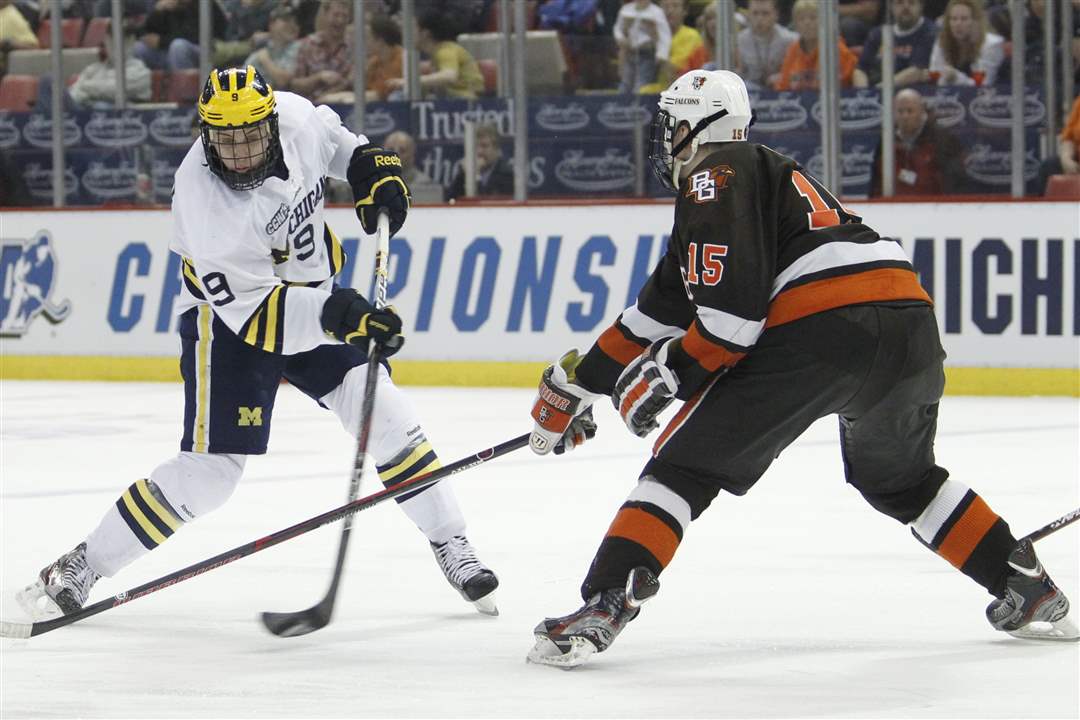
(645, 388)
(563, 409)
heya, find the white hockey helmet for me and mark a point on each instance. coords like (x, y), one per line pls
(714, 106)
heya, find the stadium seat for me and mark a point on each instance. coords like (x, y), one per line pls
(1063, 187)
(96, 31)
(543, 56)
(490, 70)
(18, 93)
(184, 86)
(71, 32)
(159, 86)
(39, 62)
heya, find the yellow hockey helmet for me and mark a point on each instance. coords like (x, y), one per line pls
(239, 126)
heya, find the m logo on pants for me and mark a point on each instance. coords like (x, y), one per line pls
(250, 416)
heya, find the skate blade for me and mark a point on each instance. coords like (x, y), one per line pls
(546, 652)
(36, 603)
(486, 605)
(1063, 630)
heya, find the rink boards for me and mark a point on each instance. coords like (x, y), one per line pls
(491, 293)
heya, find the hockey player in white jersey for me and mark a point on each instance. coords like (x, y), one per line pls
(259, 304)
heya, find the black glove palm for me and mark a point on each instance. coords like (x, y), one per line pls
(349, 317)
(375, 176)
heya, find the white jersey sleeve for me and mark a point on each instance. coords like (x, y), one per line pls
(341, 142)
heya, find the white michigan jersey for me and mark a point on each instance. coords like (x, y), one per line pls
(263, 259)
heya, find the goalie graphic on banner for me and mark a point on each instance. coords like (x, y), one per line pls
(27, 276)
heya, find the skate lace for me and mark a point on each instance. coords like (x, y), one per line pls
(458, 560)
(76, 575)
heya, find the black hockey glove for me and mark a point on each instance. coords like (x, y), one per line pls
(378, 185)
(645, 388)
(563, 409)
(349, 317)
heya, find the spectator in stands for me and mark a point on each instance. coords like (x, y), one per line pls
(687, 45)
(1067, 160)
(421, 187)
(687, 48)
(857, 17)
(1034, 52)
(324, 60)
(385, 57)
(455, 74)
(800, 68)
(494, 173)
(248, 20)
(929, 159)
(763, 45)
(245, 31)
(913, 38)
(129, 8)
(95, 86)
(276, 60)
(170, 39)
(706, 24)
(643, 36)
(15, 32)
(13, 191)
(571, 17)
(966, 52)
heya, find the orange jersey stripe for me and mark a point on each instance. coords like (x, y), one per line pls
(617, 347)
(647, 530)
(965, 535)
(708, 354)
(879, 285)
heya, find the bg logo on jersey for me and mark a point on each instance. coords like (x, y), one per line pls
(707, 184)
(27, 276)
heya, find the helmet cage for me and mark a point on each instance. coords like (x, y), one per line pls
(661, 135)
(259, 166)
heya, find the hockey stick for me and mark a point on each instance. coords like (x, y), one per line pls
(1053, 527)
(26, 630)
(316, 617)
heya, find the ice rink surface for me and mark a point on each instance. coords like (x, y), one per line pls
(797, 600)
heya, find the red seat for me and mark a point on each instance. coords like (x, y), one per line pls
(71, 32)
(184, 86)
(18, 93)
(490, 70)
(96, 32)
(159, 86)
(1063, 187)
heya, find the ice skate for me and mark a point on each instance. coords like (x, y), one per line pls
(464, 571)
(1033, 607)
(570, 641)
(61, 588)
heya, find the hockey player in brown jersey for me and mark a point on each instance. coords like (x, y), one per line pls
(774, 306)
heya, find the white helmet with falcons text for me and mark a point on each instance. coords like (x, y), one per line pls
(714, 107)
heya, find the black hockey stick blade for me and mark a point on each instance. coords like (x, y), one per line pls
(294, 624)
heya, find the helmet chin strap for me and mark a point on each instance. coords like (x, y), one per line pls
(677, 165)
(691, 137)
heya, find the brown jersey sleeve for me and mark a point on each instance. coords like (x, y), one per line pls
(662, 310)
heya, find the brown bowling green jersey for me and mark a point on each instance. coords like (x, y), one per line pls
(757, 242)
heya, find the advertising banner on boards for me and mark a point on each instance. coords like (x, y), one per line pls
(525, 283)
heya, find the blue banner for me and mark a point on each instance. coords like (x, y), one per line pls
(578, 145)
